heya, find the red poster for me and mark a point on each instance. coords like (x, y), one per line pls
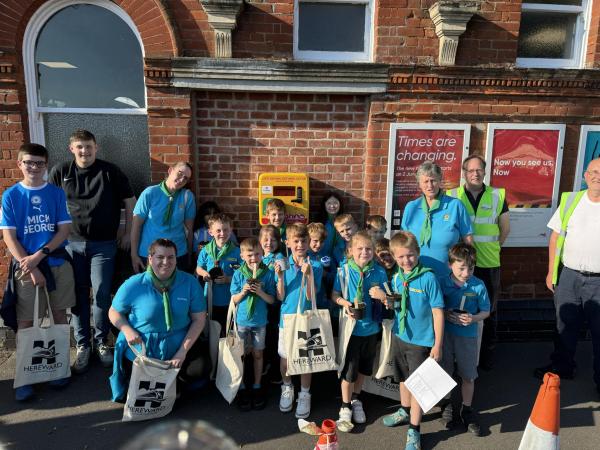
(524, 163)
(412, 147)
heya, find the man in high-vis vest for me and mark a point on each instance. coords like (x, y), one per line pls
(488, 210)
(575, 247)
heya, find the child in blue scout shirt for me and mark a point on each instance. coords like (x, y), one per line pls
(288, 291)
(317, 235)
(418, 328)
(384, 257)
(346, 227)
(357, 279)
(270, 241)
(252, 287)
(376, 226)
(275, 211)
(467, 303)
(216, 264)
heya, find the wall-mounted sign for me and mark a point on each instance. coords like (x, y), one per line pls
(589, 148)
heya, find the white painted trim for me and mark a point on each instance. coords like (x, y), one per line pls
(541, 7)
(279, 86)
(365, 56)
(579, 169)
(122, 111)
(35, 25)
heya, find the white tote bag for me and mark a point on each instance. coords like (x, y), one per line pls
(42, 353)
(385, 367)
(384, 386)
(308, 337)
(230, 369)
(152, 388)
(346, 322)
(213, 330)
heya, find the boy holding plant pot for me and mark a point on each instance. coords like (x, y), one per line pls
(360, 278)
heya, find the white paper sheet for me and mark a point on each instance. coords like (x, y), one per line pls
(429, 384)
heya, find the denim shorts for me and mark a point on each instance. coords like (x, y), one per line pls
(253, 337)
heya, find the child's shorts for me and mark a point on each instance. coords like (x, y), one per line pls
(360, 356)
(463, 350)
(253, 337)
(281, 345)
(407, 358)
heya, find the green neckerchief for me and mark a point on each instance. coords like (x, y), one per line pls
(211, 249)
(172, 199)
(415, 273)
(163, 287)
(247, 273)
(361, 272)
(426, 227)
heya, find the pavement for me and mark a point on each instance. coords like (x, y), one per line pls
(82, 417)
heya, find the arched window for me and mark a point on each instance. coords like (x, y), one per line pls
(84, 69)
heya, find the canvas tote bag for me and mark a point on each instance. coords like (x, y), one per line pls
(213, 330)
(42, 353)
(230, 369)
(152, 388)
(308, 337)
(347, 323)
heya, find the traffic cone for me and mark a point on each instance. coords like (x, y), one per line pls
(542, 428)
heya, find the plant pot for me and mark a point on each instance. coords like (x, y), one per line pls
(253, 281)
(394, 301)
(359, 311)
(388, 313)
(215, 273)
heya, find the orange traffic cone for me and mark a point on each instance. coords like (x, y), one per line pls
(542, 428)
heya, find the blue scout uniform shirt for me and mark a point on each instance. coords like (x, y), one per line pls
(374, 277)
(230, 262)
(292, 279)
(322, 300)
(35, 214)
(151, 207)
(259, 317)
(449, 223)
(424, 294)
(339, 253)
(476, 300)
(332, 240)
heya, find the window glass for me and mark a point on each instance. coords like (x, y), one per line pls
(88, 57)
(331, 27)
(546, 35)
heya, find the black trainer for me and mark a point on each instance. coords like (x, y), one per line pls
(539, 372)
(259, 399)
(244, 400)
(447, 418)
(469, 420)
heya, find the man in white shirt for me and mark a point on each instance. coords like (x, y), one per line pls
(575, 244)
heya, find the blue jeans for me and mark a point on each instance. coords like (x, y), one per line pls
(93, 266)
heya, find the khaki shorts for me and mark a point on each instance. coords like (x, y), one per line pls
(61, 298)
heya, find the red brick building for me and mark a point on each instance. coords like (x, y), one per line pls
(243, 87)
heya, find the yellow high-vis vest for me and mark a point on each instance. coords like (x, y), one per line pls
(568, 202)
(486, 232)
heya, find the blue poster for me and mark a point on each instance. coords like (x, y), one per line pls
(592, 151)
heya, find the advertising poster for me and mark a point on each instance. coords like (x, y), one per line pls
(525, 160)
(411, 144)
(589, 148)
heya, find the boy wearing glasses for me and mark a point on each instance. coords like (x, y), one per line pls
(35, 224)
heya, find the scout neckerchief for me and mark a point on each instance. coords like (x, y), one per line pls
(163, 287)
(172, 199)
(211, 249)
(247, 273)
(426, 227)
(415, 273)
(361, 272)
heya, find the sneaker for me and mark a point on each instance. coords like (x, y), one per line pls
(303, 408)
(400, 417)
(60, 383)
(244, 400)
(286, 401)
(413, 440)
(447, 416)
(469, 420)
(24, 393)
(259, 399)
(82, 360)
(358, 413)
(105, 355)
(539, 372)
(344, 423)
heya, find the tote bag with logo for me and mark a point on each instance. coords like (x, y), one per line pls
(230, 369)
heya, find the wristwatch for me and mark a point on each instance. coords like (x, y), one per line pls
(45, 250)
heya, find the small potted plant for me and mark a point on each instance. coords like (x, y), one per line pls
(358, 310)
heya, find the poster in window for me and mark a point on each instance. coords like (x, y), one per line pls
(589, 148)
(525, 159)
(410, 145)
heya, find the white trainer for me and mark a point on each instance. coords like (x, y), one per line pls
(344, 423)
(82, 359)
(286, 401)
(303, 408)
(105, 355)
(358, 413)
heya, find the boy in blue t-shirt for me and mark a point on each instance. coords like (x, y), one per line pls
(288, 292)
(35, 224)
(357, 280)
(317, 234)
(418, 328)
(252, 287)
(346, 227)
(467, 303)
(216, 263)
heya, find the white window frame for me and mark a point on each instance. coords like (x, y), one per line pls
(312, 55)
(580, 39)
(35, 25)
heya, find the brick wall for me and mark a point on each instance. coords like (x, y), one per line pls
(239, 135)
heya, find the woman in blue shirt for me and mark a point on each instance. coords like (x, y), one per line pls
(164, 308)
(437, 220)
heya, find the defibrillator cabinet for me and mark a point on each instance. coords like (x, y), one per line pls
(291, 188)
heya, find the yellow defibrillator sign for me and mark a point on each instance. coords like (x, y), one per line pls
(291, 188)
